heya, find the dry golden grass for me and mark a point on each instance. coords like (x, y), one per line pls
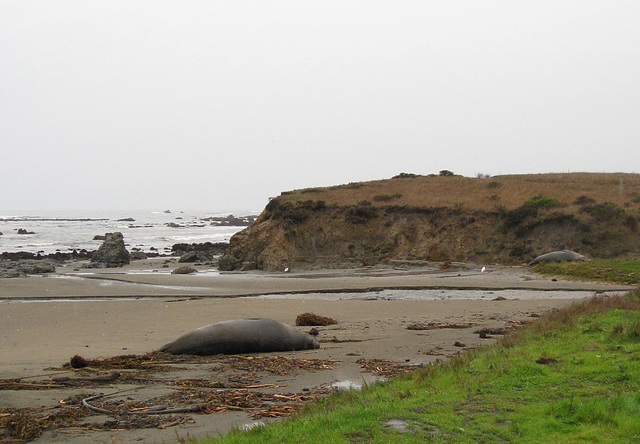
(507, 192)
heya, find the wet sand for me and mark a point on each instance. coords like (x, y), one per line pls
(47, 320)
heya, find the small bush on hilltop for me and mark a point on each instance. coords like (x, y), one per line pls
(542, 202)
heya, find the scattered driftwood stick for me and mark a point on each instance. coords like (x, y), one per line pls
(339, 341)
(85, 402)
(25, 385)
(162, 410)
(435, 325)
(154, 410)
(260, 386)
(111, 377)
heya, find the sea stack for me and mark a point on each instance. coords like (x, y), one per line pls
(111, 253)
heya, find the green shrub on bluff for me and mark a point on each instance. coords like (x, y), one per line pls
(542, 202)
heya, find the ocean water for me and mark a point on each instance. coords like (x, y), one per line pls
(149, 231)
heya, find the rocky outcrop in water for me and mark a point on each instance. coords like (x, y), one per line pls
(210, 248)
(231, 221)
(112, 253)
(196, 256)
(57, 256)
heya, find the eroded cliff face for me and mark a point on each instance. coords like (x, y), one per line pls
(311, 234)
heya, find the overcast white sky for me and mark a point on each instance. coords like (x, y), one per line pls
(218, 105)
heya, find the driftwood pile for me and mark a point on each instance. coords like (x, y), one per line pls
(235, 386)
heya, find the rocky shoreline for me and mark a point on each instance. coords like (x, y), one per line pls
(110, 255)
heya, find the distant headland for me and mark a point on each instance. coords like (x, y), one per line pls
(508, 219)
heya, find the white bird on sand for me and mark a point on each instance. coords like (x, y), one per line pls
(483, 268)
(286, 270)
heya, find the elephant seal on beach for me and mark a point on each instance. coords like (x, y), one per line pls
(241, 336)
(560, 256)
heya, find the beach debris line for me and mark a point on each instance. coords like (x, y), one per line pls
(436, 325)
(242, 391)
(139, 362)
(279, 365)
(384, 368)
(28, 424)
(312, 319)
(493, 331)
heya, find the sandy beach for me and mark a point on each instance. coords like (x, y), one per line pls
(106, 313)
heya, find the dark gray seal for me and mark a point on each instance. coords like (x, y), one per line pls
(559, 256)
(241, 336)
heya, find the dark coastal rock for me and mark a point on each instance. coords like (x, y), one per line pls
(229, 262)
(196, 256)
(74, 255)
(24, 267)
(126, 219)
(185, 224)
(23, 231)
(231, 221)
(185, 269)
(207, 248)
(0, 233)
(6, 273)
(112, 253)
(100, 237)
(137, 256)
(36, 267)
(17, 255)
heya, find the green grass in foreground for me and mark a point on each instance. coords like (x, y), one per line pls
(591, 393)
(609, 270)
